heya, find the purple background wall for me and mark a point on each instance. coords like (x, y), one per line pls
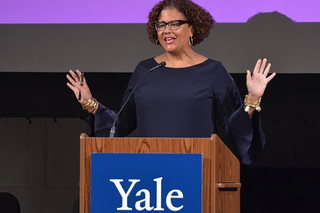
(127, 11)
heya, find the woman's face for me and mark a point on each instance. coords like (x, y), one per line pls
(174, 41)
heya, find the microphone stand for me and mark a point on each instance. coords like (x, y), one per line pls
(113, 128)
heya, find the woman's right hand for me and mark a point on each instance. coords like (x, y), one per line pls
(74, 85)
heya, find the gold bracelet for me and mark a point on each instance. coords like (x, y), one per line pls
(87, 104)
(90, 105)
(83, 103)
(249, 104)
(94, 106)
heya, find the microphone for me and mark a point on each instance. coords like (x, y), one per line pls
(113, 128)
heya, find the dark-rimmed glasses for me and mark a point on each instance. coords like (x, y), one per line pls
(174, 24)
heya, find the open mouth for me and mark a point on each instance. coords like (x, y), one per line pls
(169, 40)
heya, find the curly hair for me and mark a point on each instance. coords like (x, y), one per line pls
(197, 17)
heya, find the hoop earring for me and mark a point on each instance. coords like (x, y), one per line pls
(191, 41)
(157, 42)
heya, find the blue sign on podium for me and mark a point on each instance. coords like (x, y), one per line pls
(146, 183)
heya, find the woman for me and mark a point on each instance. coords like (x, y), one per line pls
(188, 96)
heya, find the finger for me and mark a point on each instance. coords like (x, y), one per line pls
(84, 81)
(266, 71)
(71, 87)
(263, 65)
(71, 80)
(78, 73)
(74, 76)
(248, 77)
(79, 78)
(256, 68)
(271, 77)
(248, 74)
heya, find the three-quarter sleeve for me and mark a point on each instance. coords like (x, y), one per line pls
(246, 134)
(100, 124)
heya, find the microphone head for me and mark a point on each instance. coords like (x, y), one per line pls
(162, 64)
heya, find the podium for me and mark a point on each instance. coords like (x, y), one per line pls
(220, 168)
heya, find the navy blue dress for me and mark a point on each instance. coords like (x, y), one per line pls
(184, 102)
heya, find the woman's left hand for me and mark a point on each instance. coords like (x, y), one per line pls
(258, 80)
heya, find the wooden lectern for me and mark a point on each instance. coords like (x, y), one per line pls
(221, 169)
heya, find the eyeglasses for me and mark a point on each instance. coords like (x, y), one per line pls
(174, 25)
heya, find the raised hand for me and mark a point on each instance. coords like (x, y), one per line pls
(258, 80)
(74, 85)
